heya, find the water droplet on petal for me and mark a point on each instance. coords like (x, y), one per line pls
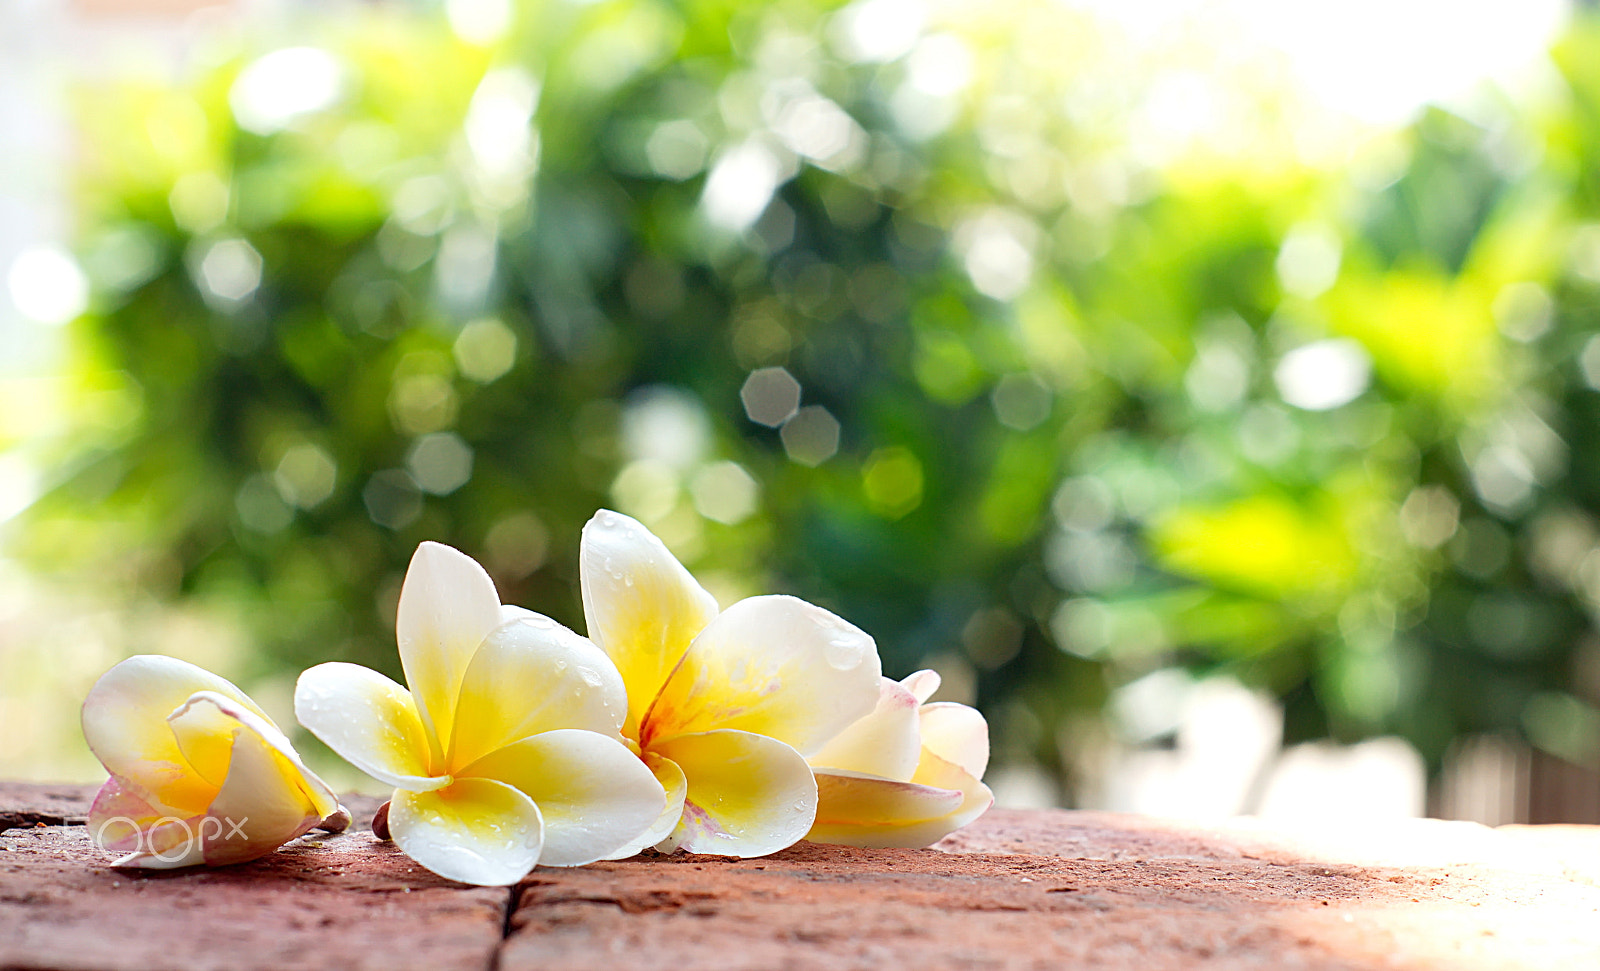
(844, 651)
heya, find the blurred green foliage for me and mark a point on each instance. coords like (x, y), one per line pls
(1095, 415)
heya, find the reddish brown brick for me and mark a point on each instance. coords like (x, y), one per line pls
(1018, 890)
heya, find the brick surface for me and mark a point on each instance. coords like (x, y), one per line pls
(23, 804)
(1015, 890)
(1049, 890)
(321, 902)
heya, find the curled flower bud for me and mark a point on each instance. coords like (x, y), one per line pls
(199, 773)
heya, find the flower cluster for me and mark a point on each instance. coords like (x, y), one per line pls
(517, 742)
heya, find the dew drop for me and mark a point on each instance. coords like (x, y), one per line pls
(843, 652)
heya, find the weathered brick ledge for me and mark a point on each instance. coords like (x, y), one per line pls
(1015, 890)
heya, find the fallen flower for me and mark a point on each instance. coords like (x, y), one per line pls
(905, 775)
(721, 706)
(199, 773)
(504, 753)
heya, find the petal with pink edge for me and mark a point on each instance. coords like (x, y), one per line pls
(125, 724)
(885, 743)
(141, 835)
(922, 684)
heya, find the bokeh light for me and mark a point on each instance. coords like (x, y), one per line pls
(1208, 391)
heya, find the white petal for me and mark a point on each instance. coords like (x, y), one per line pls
(594, 795)
(370, 721)
(263, 802)
(641, 606)
(210, 724)
(510, 612)
(885, 743)
(774, 666)
(671, 779)
(922, 684)
(125, 724)
(204, 730)
(474, 831)
(532, 675)
(956, 734)
(448, 605)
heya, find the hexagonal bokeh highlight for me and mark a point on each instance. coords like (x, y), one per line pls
(771, 396)
(811, 437)
(440, 463)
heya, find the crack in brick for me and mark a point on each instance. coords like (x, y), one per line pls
(1022, 889)
(513, 901)
(25, 819)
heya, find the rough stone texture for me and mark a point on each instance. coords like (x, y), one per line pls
(321, 902)
(1091, 890)
(28, 805)
(1014, 890)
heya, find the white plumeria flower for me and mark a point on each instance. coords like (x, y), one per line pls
(722, 706)
(907, 774)
(199, 774)
(504, 753)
